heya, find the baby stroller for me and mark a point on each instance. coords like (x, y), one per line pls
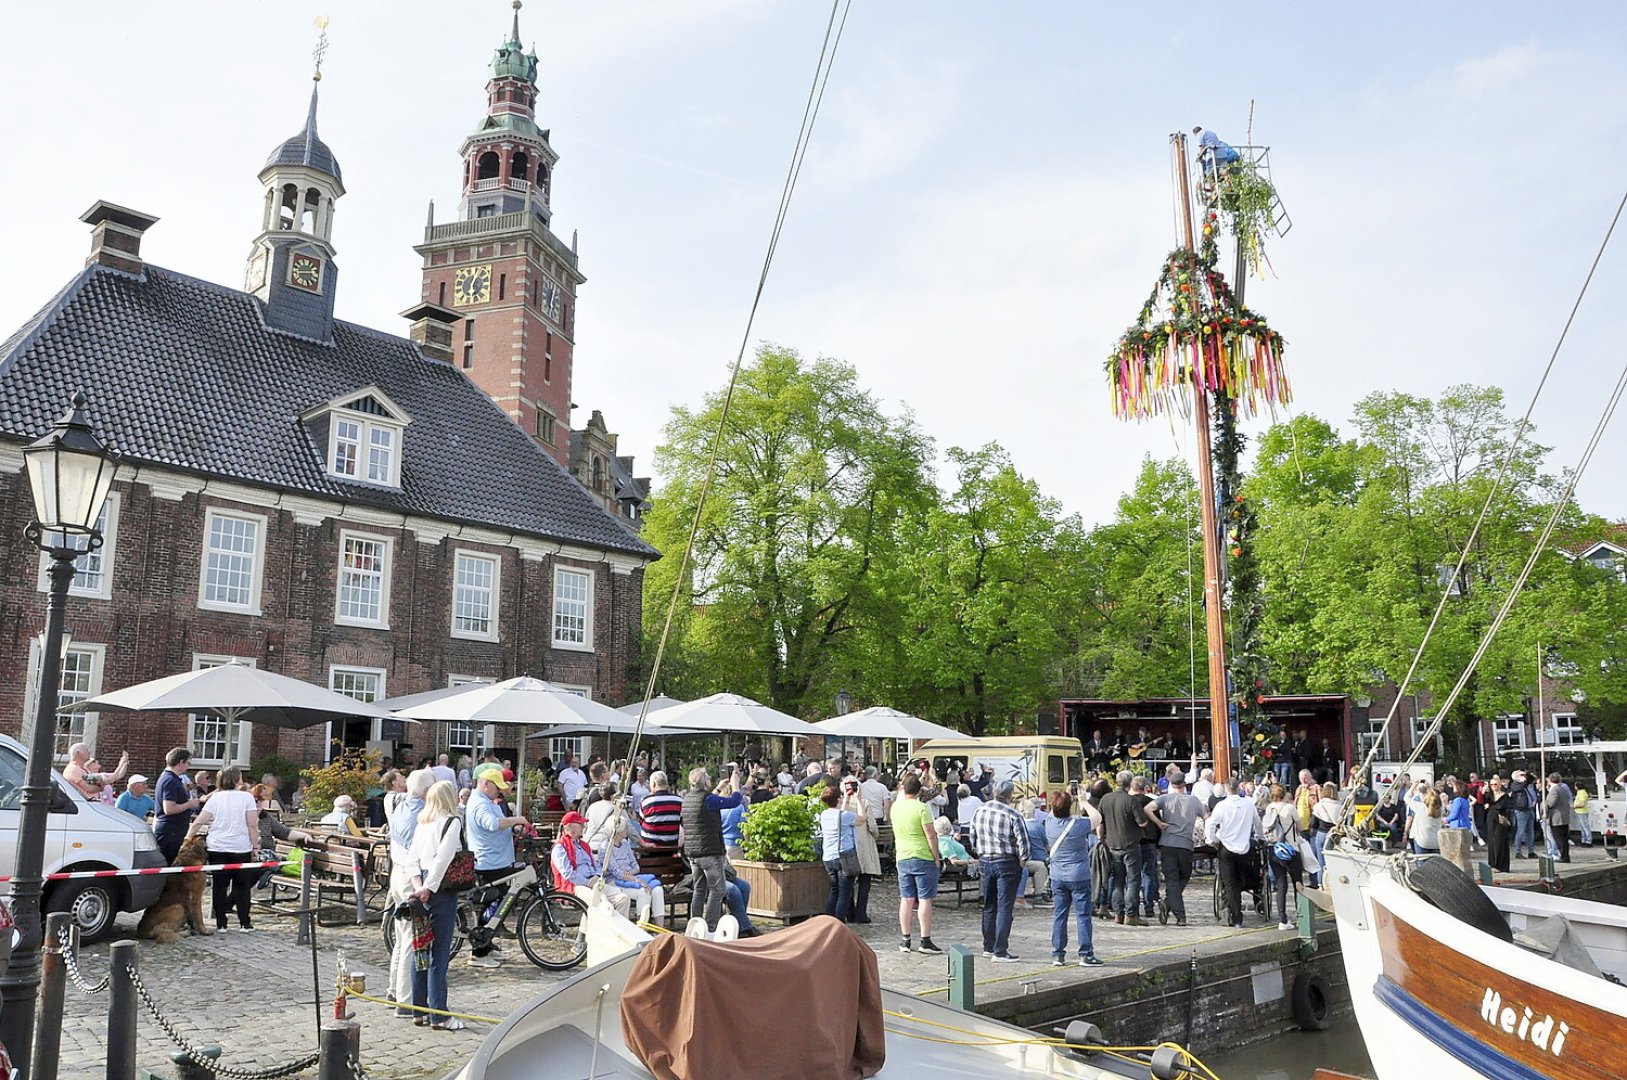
(1253, 882)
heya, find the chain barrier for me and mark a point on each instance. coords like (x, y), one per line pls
(200, 1059)
(356, 1069)
(70, 962)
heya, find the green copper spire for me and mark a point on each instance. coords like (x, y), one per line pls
(511, 61)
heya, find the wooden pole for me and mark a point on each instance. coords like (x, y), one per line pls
(1214, 612)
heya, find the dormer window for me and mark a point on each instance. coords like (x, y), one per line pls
(364, 436)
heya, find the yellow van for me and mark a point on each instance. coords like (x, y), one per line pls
(1037, 764)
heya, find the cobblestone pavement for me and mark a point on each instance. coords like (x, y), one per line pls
(252, 993)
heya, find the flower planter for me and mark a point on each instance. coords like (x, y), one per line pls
(785, 890)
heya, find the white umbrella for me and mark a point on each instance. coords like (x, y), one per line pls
(880, 722)
(235, 692)
(514, 701)
(657, 703)
(729, 713)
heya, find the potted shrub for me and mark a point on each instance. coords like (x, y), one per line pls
(781, 864)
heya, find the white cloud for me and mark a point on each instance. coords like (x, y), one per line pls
(877, 122)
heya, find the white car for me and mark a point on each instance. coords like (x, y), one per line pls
(82, 834)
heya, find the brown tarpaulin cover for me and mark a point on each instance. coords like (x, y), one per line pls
(802, 1004)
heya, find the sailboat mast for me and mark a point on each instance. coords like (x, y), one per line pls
(1214, 610)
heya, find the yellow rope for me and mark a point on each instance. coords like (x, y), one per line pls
(982, 1039)
(423, 1009)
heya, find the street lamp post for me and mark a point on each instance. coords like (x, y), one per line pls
(844, 702)
(70, 473)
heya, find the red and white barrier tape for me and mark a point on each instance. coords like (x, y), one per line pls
(76, 875)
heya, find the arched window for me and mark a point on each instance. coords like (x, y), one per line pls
(519, 167)
(542, 175)
(308, 212)
(488, 166)
(288, 207)
(598, 473)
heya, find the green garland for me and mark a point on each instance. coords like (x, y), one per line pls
(1244, 598)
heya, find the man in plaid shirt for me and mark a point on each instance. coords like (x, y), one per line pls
(1000, 838)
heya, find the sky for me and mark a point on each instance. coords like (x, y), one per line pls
(985, 204)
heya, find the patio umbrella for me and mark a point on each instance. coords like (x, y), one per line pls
(235, 692)
(729, 713)
(880, 722)
(657, 703)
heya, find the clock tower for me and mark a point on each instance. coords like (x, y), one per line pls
(501, 267)
(290, 265)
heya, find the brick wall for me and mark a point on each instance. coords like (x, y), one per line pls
(152, 626)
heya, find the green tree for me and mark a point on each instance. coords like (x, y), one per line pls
(813, 483)
(989, 583)
(1141, 628)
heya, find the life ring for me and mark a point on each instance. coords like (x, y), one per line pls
(1447, 887)
(1311, 1003)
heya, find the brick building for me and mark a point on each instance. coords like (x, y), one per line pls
(322, 499)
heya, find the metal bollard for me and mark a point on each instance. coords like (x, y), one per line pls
(358, 878)
(53, 981)
(187, 1069)
(341, 1041)
(962, 978)
(305, 871)
(121, 1014)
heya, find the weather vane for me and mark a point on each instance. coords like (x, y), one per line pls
(321, 49)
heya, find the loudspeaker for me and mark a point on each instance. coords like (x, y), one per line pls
(1046, 722)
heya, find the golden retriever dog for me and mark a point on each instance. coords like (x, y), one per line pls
(181, 903)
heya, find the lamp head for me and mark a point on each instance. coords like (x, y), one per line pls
(70, 472)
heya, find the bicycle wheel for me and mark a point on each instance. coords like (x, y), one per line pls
(550, 931)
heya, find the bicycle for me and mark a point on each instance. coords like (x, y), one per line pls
(549, 929)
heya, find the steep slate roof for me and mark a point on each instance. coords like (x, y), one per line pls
(183, 373)
(305, 148)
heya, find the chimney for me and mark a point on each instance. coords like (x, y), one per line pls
(115, 238)
(432, 330)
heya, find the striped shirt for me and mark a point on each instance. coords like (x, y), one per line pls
(660, 816)
(999, 832)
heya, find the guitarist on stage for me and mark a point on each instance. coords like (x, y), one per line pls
(1097, 752)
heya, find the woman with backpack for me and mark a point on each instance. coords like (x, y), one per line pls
(1281, 830)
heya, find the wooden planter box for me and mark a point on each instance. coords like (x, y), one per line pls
(785, 890)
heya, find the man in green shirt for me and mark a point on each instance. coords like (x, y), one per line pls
(915, 848)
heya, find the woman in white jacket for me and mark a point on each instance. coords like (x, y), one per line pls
(438, 838)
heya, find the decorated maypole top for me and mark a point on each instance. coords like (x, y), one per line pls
(1193, 332)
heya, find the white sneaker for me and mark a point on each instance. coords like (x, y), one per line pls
(490, 961)
(1285, 926)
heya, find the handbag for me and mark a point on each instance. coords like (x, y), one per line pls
(460, 872)
(849, 859)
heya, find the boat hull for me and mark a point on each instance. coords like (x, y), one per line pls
(1437, 997)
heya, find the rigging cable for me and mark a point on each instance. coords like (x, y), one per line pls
(834, 26)
(1491, 495)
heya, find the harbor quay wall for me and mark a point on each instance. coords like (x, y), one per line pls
(1238, 989)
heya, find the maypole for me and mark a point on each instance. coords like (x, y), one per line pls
(1194, 339)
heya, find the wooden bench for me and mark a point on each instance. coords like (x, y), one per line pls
(670, 868)
(547, 823)
(337, 870)
(957, 878)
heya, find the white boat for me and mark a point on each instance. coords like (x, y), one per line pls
(577, 1030)
(1451, 980)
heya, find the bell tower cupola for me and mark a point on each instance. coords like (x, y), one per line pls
(507, 162)
(290, 266)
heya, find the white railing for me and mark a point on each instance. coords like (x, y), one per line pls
(490, 184)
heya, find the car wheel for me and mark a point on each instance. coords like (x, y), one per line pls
(93, 904)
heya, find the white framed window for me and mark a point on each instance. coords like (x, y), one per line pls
(559, 747)
(579, 691)
(573, 609)
(233, 559)
(364, 443)
(362, 683)
(459, 735)
(1508, 732)
(1373, 736)
(1420, 725)
(474, 595)
(364, 581)
(93, 570)
(81, 678)
(215, 740)
(1566, 730)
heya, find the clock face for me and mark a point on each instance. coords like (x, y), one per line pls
(472, 285)
(256, 274)
(305, 272)
(552, 297)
